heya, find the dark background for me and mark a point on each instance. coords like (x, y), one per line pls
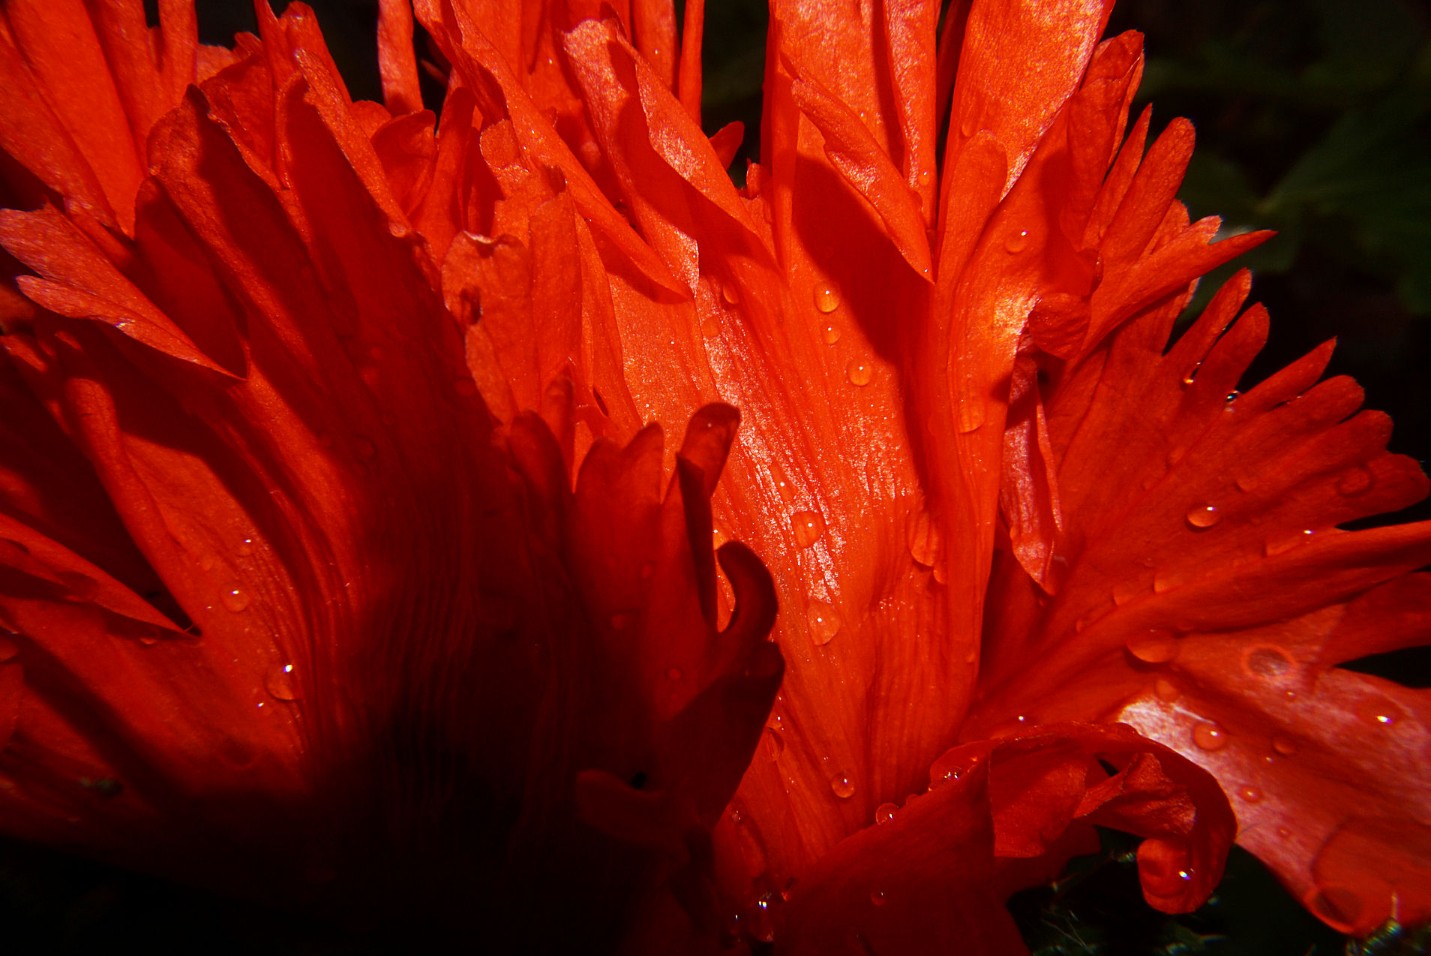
(1312, 119)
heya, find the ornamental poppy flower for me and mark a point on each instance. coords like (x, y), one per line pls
(336, 514)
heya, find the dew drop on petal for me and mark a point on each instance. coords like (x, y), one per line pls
(970, 416)
(827, 298)
(807, 527)
(841, 786)
(858, 373)
(730, 292)
(923, 539)
(760, 920)
(776, 741)
(884, 813)
(244, 548)
(877, 898)
(710, 326)
(1251, 795)
(1285, 746)
(1267, 661)
(1166, 691)
(1154, 647)
(830, 333)
(1017, 241)
(1379, 712)
(234, 598)
(824, 622)
(1357, 481)
(282, 683)
(1209, 736)
(1202, 517)
(1190, 376)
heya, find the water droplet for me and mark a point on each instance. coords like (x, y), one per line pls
(1379, 712)
(824, 622)
(777, 742)
(923, 540)
(673, 673)
(1285, 746)
(808, 526)
(244, 548)
(1190, 376)
(730, 292)
(877, 898)
(827, 298)
(830, 333)
(1231, 401)
(282, 683)
(1209, 736)
(234, 598)
(1267, 661)
(710, 326)
(1357, 481)
(1251, 794)
(970, 415)
(1166, 579)
(885, 812)
(1126, 590)
(924, 177)
(1154, 647)
(859, 373)
(760, 921)
(1202, 517)
(1166, 691)
(841, 786)
(1017, 241)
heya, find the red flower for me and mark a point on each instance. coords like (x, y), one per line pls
(297, 386)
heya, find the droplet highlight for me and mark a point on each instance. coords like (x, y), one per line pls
(884, 813)
(282, 683)
(841, 786)
(859, 373)
(830, 333)
(1202, 517)
(234, 598)
(1209, 736)
(823, 621)
(1017, 241)
(807, 527)
(827, 298)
